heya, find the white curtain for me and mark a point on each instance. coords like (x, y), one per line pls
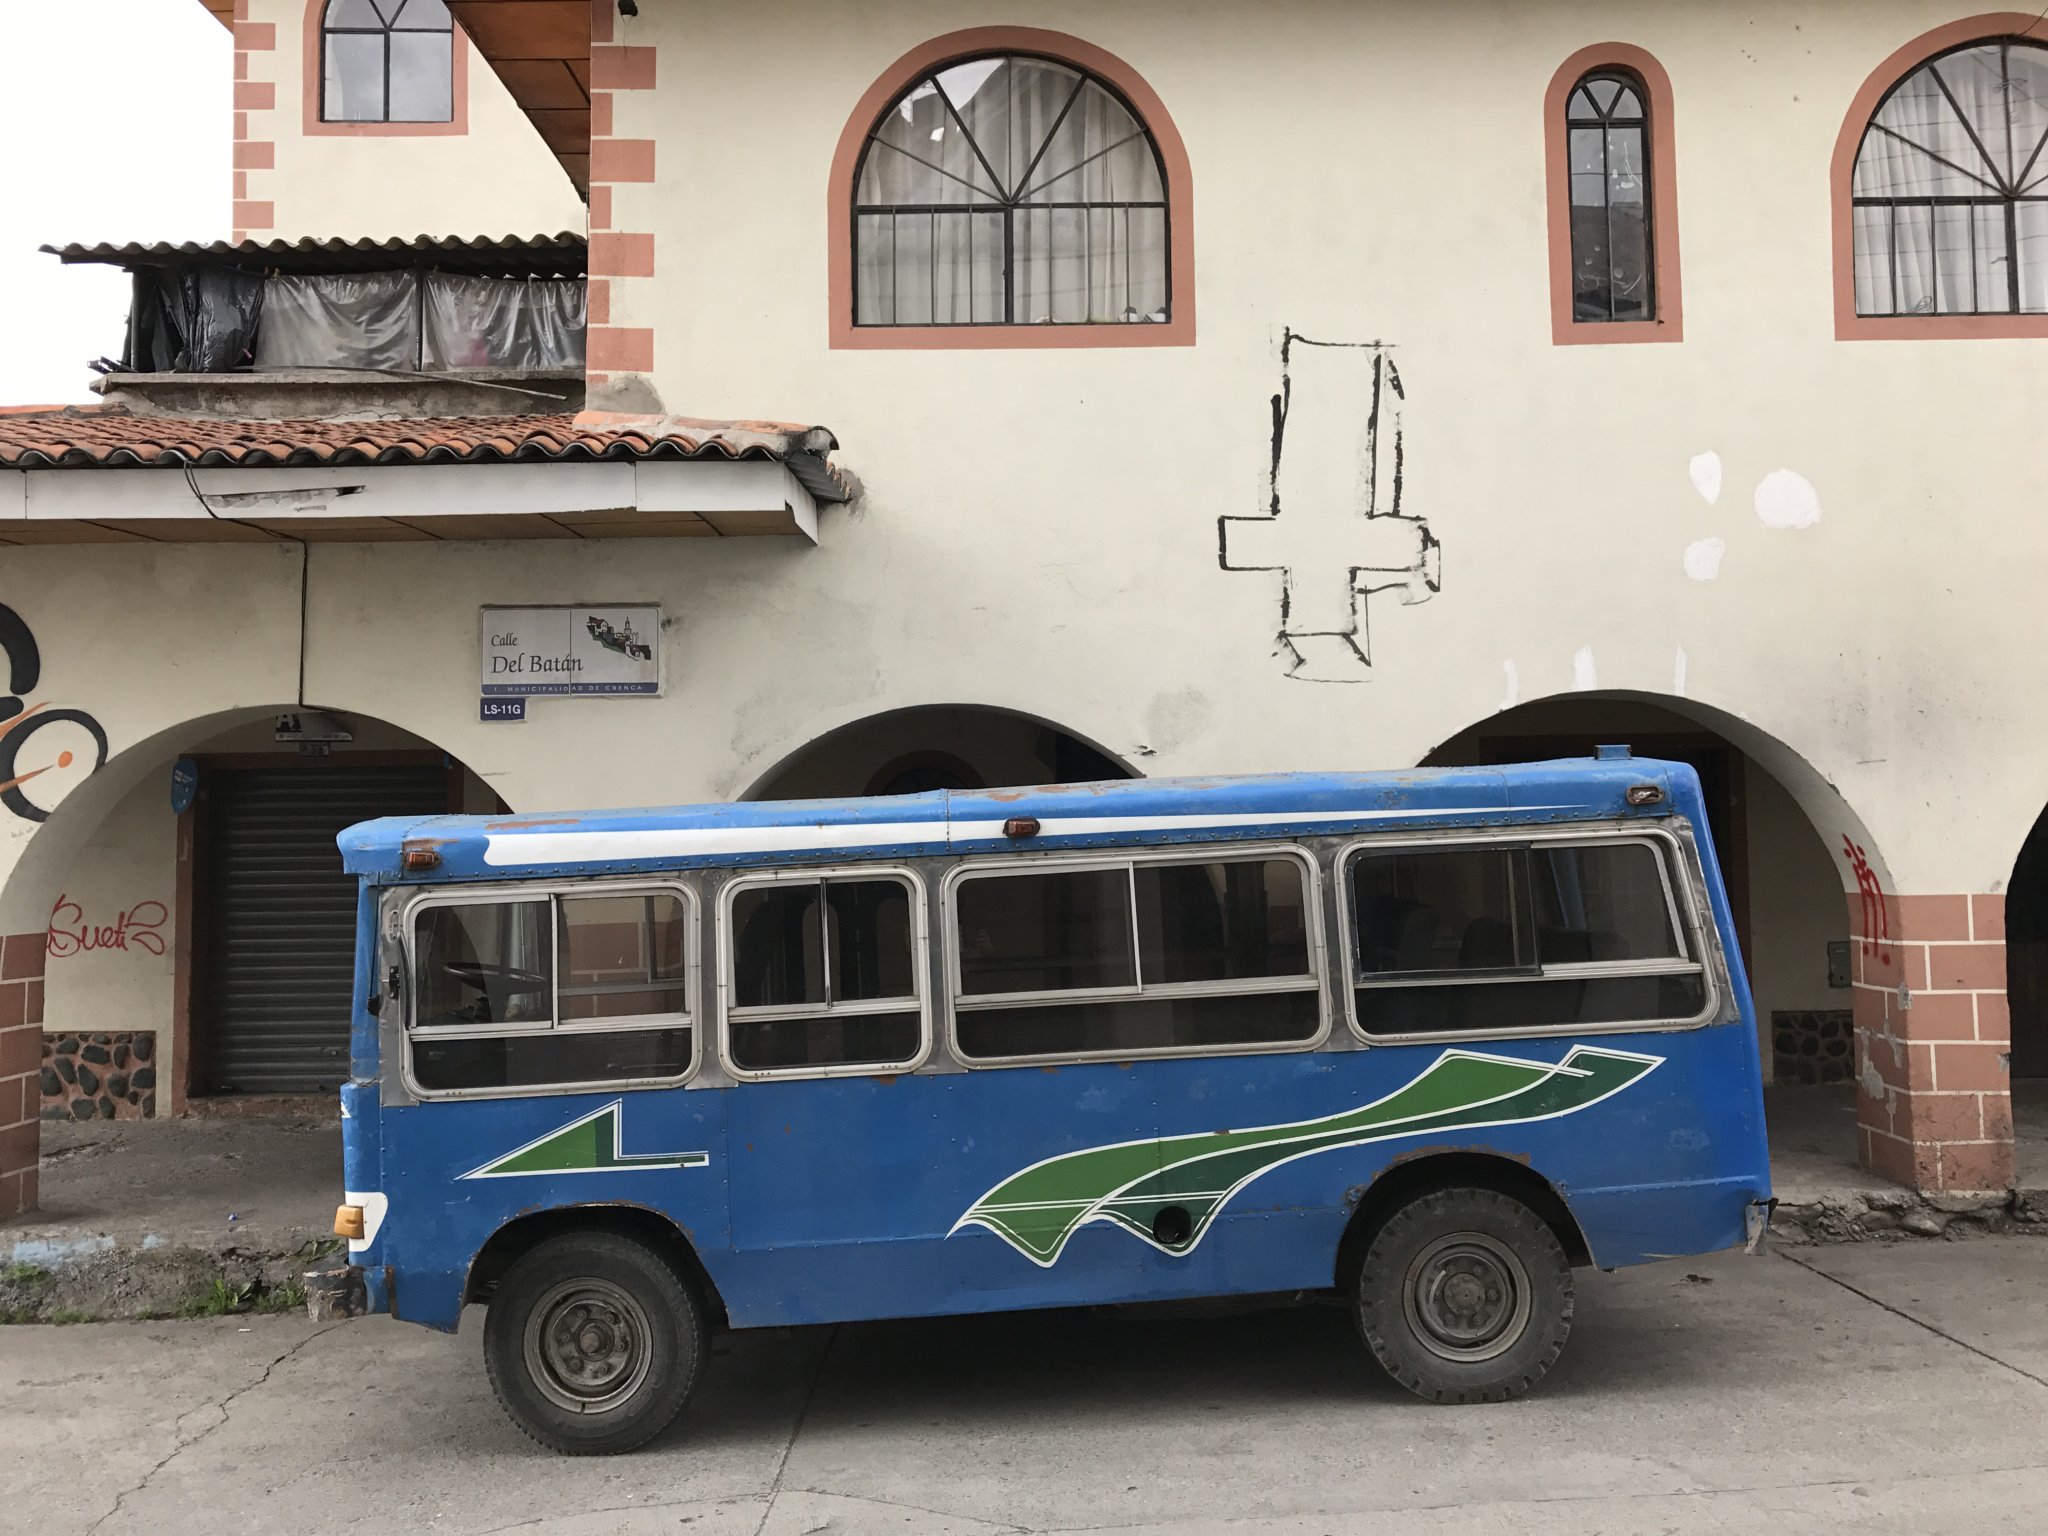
(1971, 124)
(937, 255)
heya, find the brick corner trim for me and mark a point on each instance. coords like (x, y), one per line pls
(1933, 1040)
(21, 1048)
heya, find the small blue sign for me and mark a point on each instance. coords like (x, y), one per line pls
(500, 709)
(184, 785)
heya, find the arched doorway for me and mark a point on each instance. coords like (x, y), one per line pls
(197, 930)
(949, 746)
(2026, 981)
(1784, 885)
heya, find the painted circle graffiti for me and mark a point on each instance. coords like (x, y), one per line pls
(44, 755)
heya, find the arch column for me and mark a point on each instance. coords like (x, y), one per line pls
(1933, 1036)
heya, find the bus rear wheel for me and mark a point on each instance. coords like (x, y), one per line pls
(593, 1343)
(1465, 1296)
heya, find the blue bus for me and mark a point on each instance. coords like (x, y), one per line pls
(1423, 1041)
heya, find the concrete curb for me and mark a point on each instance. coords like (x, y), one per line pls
(1893, 1214)
(101, 1279)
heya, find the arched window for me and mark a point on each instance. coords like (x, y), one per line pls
(1009, 189)
(1607, 125)
(1609, 164)
(387, 61)
(1949, 193)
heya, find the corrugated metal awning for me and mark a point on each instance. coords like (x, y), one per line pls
(565, 254)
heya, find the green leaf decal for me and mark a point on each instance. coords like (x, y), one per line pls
(1036, 1210)
(589, 1145)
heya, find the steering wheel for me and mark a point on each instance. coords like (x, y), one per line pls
(481, 975)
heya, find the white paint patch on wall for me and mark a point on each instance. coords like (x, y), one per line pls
(1705, 470)
(1678, 672)
(1511, 690)
(1703, 558)
(1584, 677)
(1787, 499)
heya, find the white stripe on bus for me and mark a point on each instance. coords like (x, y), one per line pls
(518, 848)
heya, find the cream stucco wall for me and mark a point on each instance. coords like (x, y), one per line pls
(496, 179)
(1039, 528)
(126, 869)
(1795, 906)
(1044, 522)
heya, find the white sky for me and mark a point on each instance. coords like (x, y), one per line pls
(116, 119)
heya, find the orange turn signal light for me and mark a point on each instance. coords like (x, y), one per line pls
(419, 856)
(348, 1222)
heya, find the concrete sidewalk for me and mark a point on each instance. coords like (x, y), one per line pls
(1876, 1387)
(1824, 1195)
(142, 1216)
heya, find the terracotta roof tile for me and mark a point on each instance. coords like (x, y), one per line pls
(97, 437)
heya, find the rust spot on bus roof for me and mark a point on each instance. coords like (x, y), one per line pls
(527, 823)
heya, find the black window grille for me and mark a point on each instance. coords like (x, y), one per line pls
(1010, 190)
(1607, 125)
(1949, 197)
(387, 61)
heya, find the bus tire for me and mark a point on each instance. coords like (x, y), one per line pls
(1465, 1296)
(593, 1343)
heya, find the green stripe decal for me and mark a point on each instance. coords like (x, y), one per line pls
(1037, 1210)
(589, 1145)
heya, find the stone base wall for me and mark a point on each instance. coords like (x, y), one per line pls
(1813, 1045)
(21, 1035)
(101, 1076)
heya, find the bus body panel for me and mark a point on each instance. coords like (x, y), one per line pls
(838, 1198)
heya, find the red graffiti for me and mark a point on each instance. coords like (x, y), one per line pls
(1877, 929)
(136, 928)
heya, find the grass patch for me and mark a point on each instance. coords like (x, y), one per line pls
(224, 1300)
(289, 1297)
(65, 1315)
(219, 1300)
(33, 1276)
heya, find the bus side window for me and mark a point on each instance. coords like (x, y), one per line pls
(823, 974)
(1151, 955)
(551, 992)
(1493, 939)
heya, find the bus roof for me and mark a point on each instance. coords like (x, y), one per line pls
(1110, 814)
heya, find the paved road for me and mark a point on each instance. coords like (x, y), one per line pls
(1899, 1387)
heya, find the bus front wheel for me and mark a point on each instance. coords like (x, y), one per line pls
(1465, 1296)
(593, 1343)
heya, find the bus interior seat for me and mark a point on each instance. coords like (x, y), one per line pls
(1402, 935)
(1488, 945)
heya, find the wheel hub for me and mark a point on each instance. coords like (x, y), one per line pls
(1467, 1297)
(587, 1346)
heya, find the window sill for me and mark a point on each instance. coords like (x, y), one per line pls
(1940, 327)
(847, 337)
(1595, 333)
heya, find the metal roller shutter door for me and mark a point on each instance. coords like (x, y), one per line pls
(281, 917)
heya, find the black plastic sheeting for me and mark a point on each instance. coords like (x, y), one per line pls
(194, 320)
(220, 320)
